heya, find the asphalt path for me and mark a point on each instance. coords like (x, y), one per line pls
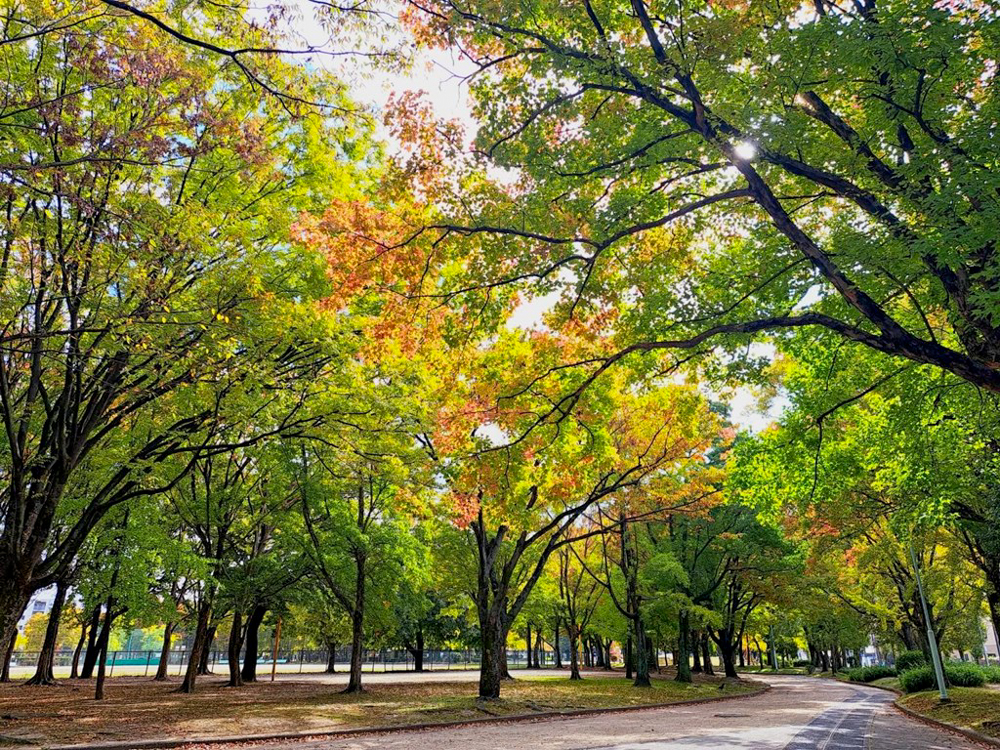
(798, 713)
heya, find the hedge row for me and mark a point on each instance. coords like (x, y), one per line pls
(870, 674)
(958, 674)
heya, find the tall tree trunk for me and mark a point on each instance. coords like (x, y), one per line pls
(555, 645)
(706, 655)
(727, 650)
(357, 625)
(234, 647)
(8, 654)
(574, 650)
(43, 669)
(15, 593)
(164, 663)
(93, 650)
(695, 642)
(105, 639)
(199, 645)
(527, 645)
(418, 652)
(252, 643)
(331, 658)
(607, 654)
(206, 653)
(538, 649)
(628, 656)
(493, 666)
(641, 655)
(683, 648)
(74, 671)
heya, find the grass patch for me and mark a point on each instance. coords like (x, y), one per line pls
(140, 709)
(888, 682)
(768, 670)
(975, 708)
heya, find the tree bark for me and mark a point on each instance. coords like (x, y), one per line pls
(555, 642)
(683, 648)
(75, 667)
(198, 646)
(574, 650)
(234, 647)
(93, 650)
(252, 643)
(163, 665)
(357, 624)
(8, 654)
(206, 653)
(695, 643)
(726, 651)
(43, 669)
(493, 633)
(706, 655)
(103, 646)
(640, 653)
(418, 652)
(331, 658)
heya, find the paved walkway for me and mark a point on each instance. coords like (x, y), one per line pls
(799, 713)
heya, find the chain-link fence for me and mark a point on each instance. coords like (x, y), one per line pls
(145, 662)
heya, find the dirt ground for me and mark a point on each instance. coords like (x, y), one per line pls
(137, 708)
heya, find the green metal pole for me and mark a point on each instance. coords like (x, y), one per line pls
(931, 638)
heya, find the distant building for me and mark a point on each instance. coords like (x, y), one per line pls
(39, 604)
(992, 647)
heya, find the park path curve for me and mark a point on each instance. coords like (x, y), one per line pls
(798, 713)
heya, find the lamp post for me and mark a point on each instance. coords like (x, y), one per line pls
(931, 638)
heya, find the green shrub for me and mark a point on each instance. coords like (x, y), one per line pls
(959, 674)
(802, 663)
(910, 659)
(992, 674)
(870, 674)
(876, 672)
(964, 674)
(916, 679)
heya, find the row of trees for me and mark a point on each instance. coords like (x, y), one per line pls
(250, 364)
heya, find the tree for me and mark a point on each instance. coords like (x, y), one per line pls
(521, 498)
(580, 595)
(147, 202)
(739, 169)
(355, 540)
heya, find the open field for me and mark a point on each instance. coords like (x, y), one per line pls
(138, 709)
